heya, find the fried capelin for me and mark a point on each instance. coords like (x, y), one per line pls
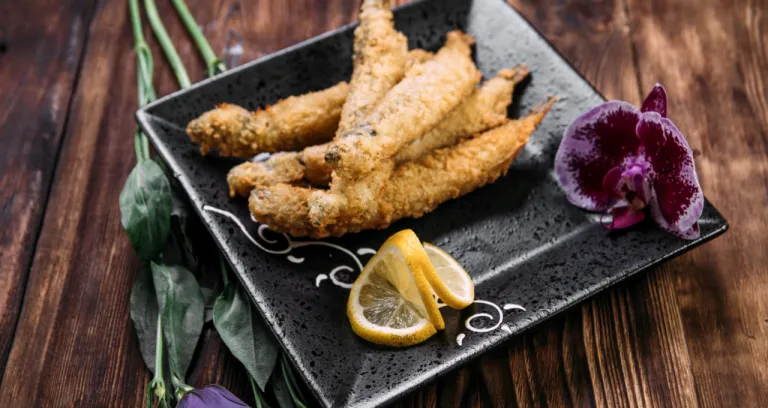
(427, 93)
(414, 189)
(290, 124)
(379, 62)
(415, 105)
(280, 168)
(291, 167)
(484, 109)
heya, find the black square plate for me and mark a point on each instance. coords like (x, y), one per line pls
(530, 253)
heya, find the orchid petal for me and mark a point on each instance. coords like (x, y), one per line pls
(597, 141)
(613, 182)
(624, 217)
(677, 201)
(656, 101)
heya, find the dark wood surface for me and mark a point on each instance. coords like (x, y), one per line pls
(693, 332)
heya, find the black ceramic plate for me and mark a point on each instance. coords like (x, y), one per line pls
(530, 253)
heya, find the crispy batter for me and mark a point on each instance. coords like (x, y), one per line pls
(291, 167)
(484, 109)
(408, 111)
(290, 124)
(428, 92)
(280, 168)
(415, 188)
(379, 62)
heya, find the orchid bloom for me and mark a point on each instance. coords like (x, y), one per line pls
(618, 159)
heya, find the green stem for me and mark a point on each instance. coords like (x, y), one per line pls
(138, 34)
(157, 383)
(144, 68)
(148, 394)
(138, 145)
(159, 350)
(181, 387)
(289, 384)
(165, 43)
(212, 62)
(223, 267)
(256, 393)
(145, 146)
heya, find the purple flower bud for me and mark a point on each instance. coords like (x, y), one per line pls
(618, 159)
(212, 396)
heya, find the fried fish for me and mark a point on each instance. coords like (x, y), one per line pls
(414, 189)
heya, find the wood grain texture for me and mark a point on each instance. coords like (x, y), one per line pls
(713, 62)
(627, 346)
(85, 352)
(74, 323)
(41, 46)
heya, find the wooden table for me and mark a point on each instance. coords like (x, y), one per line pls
(693, 332)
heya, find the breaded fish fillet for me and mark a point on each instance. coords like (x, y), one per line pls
(484, 109)
(279, 168)
(290, 124)
(379, 64)
(415, 188)
(415, 105)
(427, 93)
(290, 167)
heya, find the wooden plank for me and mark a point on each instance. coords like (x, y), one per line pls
(626, 347)
(75, 342)
(713, 62)
(41, 45)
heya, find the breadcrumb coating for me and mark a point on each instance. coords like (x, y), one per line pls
(414, 189)
(290, 124)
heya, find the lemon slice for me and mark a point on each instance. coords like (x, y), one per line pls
(391, 302)
(448, 279)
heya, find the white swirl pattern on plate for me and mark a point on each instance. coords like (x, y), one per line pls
(469, 323)
(261, 239)
(497, 319)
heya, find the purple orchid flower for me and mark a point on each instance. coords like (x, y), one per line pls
(618, 159)
(211, 396)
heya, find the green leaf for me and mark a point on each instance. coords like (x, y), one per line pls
(244, 333)
(209, 297)
(144, 312)
(257, 394)
(180, 250)
(145, 208)
(290, 381)
(181, 307)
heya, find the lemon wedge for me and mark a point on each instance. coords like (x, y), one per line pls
(448, 279)
(391, 302)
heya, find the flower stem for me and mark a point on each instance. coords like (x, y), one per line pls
(212, 62)
(138, 145)
(165, 43)
(256, 393)
(158, 384)
(180, 386)
(159, 349)
(144, 68)
(289, 383)
(223, 267)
